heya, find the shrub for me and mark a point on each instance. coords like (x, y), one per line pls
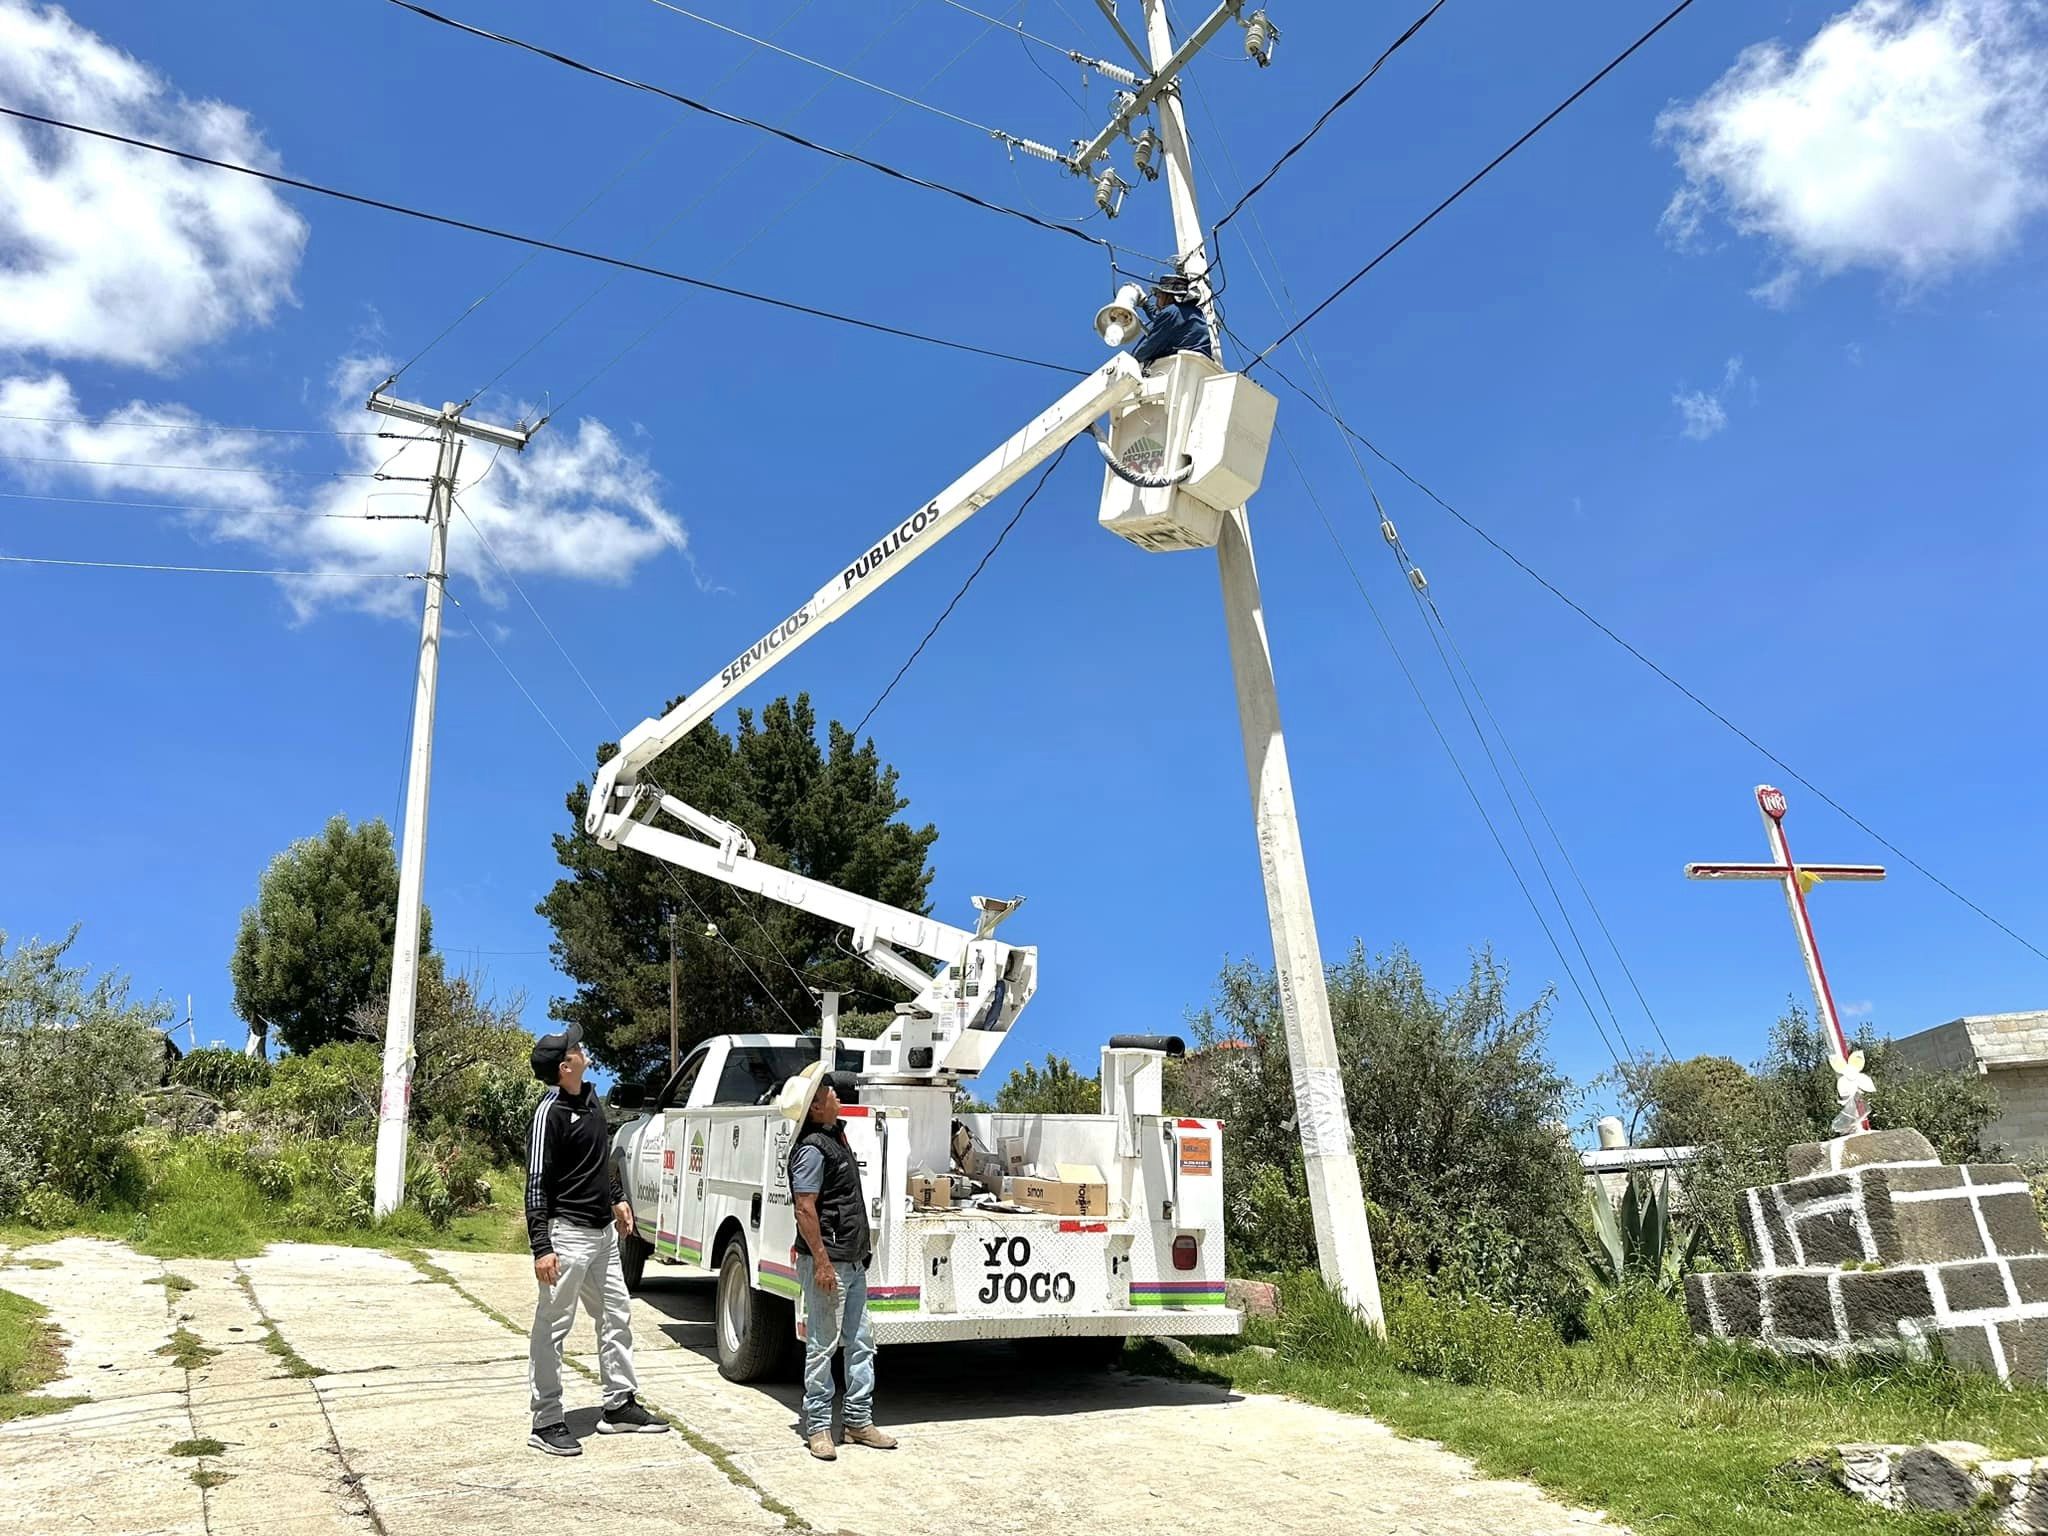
(500, 1112)
(224, 1073)
(1468, 1339)
(1270, 1228)
(49, 1210)
(329, 1092)
(1454, 1107)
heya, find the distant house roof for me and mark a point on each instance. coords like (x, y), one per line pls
(1986, 1040)
(1636, 1159)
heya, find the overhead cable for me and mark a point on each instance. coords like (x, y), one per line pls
(124, 424)
(174, 506)
(1329, 112)
(494, 233)
(210, 570)
(210, 469)
(1715, 714)
(784, 134)
(1478, 176)
(589, 203)
(979, 566)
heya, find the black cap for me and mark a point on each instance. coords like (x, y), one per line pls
(549, 1050)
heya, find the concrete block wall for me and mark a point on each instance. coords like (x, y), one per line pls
(1912, 1253)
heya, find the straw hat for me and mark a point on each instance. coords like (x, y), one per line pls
(794, 1101)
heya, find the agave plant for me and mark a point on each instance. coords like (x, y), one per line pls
(1641, 1243)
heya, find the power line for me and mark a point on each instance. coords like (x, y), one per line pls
(200, 426)
(784, 134)
(837, 73)
(594, 199)
(210, 469)
(754, 147)
(1427, 606)
(173, 506)
(447, 221)
(210, 570)
(1478, 176)
(769, 223)
(1329, 112)
(1576, 607)
(971, 575)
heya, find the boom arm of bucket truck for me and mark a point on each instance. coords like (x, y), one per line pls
(957, 1020)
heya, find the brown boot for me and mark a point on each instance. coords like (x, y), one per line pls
(873, 1438)
(822, 1447)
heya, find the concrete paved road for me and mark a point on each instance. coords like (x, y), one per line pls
(415, 1422)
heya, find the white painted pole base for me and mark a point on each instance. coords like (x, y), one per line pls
(1343, 1241)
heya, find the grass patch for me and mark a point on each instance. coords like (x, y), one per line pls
(31, 1353)
(196, 1211)
(205, 1446)
(1639, 1420)
(34, 1264)
(211, 1477)
(175, 1285)
(295, 1364)
(186, 1352)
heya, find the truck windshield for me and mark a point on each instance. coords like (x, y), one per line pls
(754, 1074)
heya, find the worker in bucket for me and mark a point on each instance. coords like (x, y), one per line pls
(832, 1266)
(575, 1215)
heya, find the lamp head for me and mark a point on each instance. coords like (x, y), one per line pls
(1117, 322)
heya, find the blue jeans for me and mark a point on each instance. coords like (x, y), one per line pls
(831, 1322)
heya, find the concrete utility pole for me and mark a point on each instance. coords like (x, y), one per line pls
(396, 1102)
(674, 994)
(1343, 1242)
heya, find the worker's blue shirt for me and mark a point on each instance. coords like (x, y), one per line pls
(807, 1171)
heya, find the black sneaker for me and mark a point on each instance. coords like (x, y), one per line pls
(629, 1418)
(556, 1440)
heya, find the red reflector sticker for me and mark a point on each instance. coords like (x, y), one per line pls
(1084, 1226)
(853, 1109)
(1191, 1125)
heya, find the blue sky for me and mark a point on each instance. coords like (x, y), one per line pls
(1760, 387)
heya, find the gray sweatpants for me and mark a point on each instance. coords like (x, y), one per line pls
(591, 1275)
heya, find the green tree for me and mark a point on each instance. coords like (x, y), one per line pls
(78, 1053)
(317, 944)
(1455, 1110)
(1057, 1090)
(830, 810)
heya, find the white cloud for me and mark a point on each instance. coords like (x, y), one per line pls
(1858, 1010)
(579, 506)
(1705, 412)
(1904, 138)
(116, 254)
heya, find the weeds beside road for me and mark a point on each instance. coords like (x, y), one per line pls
(1668, 1435)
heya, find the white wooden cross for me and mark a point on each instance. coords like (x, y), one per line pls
(1798, 879)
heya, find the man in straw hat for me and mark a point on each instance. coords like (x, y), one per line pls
(832, 1232)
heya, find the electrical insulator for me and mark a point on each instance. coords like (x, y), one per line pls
(1388, 532)
(1417, 580)
(1109, 192)
(1259, 37)
(711, 930)
(1142, 153)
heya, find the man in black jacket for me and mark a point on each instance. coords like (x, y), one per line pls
(834, 1247)
(576, 1213)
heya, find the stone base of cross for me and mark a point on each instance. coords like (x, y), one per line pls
(1798, 879)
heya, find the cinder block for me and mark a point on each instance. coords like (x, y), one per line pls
(1973, 1287)
(1940, 1176)
(2026, 1350)
(1770, 1243)
(1696, 1311)
(1739, 1300)
(1801, 1308)
(1993, 1173)
(2030, 1277)
(2014, 1224)
(1831, 1239)
(1967, 1347)
(1801, 1192)
(1861, 1150)
(1937, 1231)
(1876, 1303)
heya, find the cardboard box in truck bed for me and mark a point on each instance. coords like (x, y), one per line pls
(1058, 1197)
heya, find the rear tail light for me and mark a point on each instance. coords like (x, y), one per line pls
(1185, 1253)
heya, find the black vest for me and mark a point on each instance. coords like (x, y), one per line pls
(842, 1209)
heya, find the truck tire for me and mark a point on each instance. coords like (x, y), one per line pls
(633, 1255)
(756, 1331)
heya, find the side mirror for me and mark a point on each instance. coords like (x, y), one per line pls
(627, 1096)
